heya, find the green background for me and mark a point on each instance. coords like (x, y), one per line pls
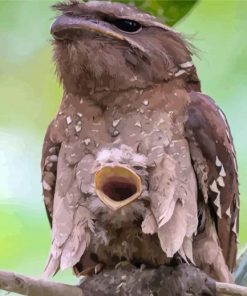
(30, 95)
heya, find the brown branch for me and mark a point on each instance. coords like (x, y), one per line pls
(23, 285)
(180, 280)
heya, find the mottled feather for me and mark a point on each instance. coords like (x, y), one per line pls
(129, 100)
(208, 130)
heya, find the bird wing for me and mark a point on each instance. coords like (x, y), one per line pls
(49, 160)
(214, 161)
(70, 219)
(173, 196)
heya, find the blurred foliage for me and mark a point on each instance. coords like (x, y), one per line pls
(30, 95)
(169, 10)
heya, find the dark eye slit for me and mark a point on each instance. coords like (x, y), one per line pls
(126, 25)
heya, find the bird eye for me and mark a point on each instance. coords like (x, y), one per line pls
(127, 25)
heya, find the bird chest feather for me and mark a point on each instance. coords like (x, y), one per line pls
(138, 165)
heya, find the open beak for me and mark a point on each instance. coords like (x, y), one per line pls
(117, 186)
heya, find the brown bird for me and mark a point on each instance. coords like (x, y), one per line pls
(138, 165)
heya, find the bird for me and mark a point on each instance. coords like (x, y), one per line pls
(138, 165)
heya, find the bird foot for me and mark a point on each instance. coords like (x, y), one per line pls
(124, 265)
(91, 270)
(142, 267)
(98, 268)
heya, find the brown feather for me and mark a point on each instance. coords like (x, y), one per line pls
(208, 130)
(49, 170)
(127, 102)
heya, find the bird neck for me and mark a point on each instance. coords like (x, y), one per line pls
(124, 98)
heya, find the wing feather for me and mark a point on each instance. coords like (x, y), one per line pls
(71, 221)
(49, 159)
(173, 194)
(214, 159)
(172, 233)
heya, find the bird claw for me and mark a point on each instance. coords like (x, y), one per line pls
(123, 265)
(95, 269)
(98, 268)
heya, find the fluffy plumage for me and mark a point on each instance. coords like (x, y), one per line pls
(132, 99)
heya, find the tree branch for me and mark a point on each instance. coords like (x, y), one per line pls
(23, 285)
(170, 281)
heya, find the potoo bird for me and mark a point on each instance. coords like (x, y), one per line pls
(138, 165)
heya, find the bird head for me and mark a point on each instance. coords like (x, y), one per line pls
(101, 46)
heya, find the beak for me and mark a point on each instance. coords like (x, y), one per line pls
(117, 186)
(67, 27)
(64, 25)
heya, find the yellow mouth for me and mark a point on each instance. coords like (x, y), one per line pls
(117, 186)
